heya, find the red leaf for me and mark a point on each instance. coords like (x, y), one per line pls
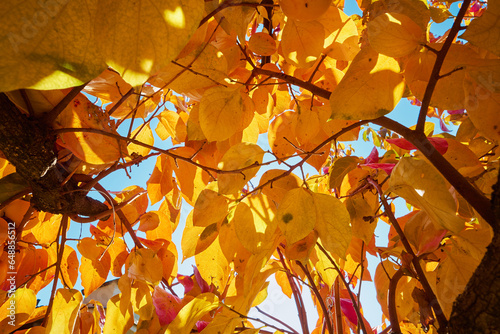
(166, 305)
(187, 282)
(348, 310)
(201, 282)
(373, 157)
(440, 144)
(387, 167)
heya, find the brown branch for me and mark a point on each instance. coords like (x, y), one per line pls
(441, 55)
(391, 302)
(477, 200)
(60, 251)
(49, 118)
(294, 81)
(19, 195)
(318, 296)
(414, 259)
(351, 294)
(257, 319)
(338, 309)
(277, 320)
(120, 101)
(296, 295)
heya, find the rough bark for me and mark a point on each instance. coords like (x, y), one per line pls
(477, 309)
(29, 145)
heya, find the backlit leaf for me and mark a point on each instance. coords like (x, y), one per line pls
(302, 42)
(95, 265)
(144, 265)
(119, 316)
(421, 185)
(394, 34)
(157, 34)
(192, 312)
(239, 156)
(64, 311)
(371, 87)
(485, 30)
(333, 224)
(296, 215)
(222, 113)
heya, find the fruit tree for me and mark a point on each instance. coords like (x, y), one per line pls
(251, 113)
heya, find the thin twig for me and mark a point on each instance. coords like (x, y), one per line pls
(391, 302)
(60, 251)
(296, 294)
(431, 85)
(351, 294)
(318, 297)
(415, 261)
(257, 319)
(277, 320)
(52, 115)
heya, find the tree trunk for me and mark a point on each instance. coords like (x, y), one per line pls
(477, 309)
(29, 146)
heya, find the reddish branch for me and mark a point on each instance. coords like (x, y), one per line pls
(441, 55)
(318, 297)
(351, 294)
(414, 259)
(391, 301)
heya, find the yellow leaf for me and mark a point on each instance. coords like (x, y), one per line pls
(339, 169)
(361, 214)
(171, 125)
(192, 312)
(302, 42)
(90, 147)
(394, 34)
(371, 88)
(422, 186)
(210, 207)
(95, 265)
(233, 248)
(191, 179)
(484, 31)
(144, 136)
(301, 250)
(64, 311)
(69, 266)
(157, 34)
(144, 265)
(208, 69)
(17, 309)
(482, 107)
(296, 214)
(262, 44)
(223, 113)
(254, 223)
(160, 182)
(281, 135)
(233, 19)
(142, 302)
(307, 123)
(237, 157)
(333, 224)
(276, 189)
(35, 54)
(119, 316)
(213, 265)
(341, 33)
(303, 9)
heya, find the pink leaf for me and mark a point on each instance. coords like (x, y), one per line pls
(201, 282)
(186, 281)
(443, 126)
(440, 144)
(200, 325)
(373, 157)
(348, 310)
(386, 167)
(166, 305)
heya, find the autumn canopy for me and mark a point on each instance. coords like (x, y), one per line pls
(250, 111)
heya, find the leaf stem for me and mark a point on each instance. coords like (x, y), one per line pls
(391, 302)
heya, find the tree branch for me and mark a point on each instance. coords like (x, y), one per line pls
(441, 55)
